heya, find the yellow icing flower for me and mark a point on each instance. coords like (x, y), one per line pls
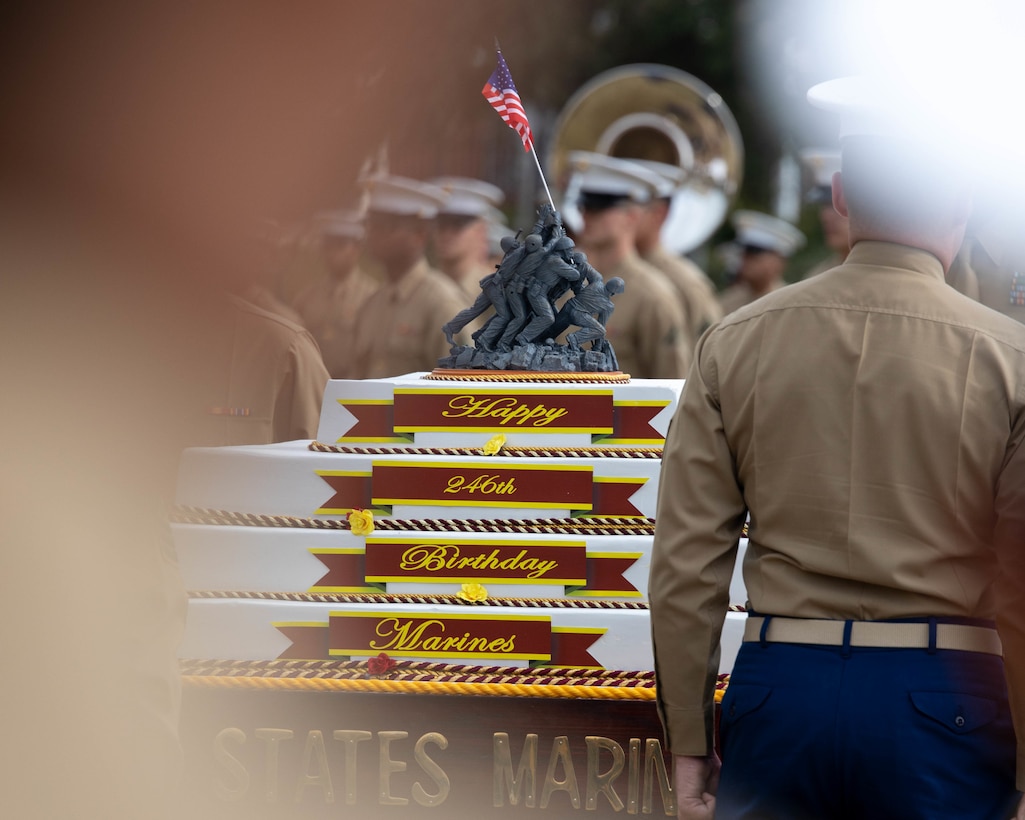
(494, 446)
(719, 695)
(472, 593)
(361, 522)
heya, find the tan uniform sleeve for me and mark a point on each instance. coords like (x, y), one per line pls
(1010, 587)
(699, 519)
(297, 409)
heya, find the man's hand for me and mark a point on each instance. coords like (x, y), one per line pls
(697, 779)
(1020, 814)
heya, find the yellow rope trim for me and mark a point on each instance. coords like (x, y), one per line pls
(582, 525)
(591, 451)
(525, 376)
(509, 690)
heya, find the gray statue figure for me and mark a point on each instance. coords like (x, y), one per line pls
(492, 294)
(533, 276)
(554, 270)
(584, 298)
(549, 224)
(590, 309)
(522, 272)
(489, 336)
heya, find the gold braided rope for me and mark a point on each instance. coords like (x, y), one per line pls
(183, 514)
(554, 526)
(419, 677)
(423, 677)
(509, 690)
(526, 376)
(513, 452)
(393, 598)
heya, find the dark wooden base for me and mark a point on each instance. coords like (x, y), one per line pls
(263, 754)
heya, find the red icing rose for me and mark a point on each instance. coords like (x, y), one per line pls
(380, 664)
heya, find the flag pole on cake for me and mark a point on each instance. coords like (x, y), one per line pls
(500, 91)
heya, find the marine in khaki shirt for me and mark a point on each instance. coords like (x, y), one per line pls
(698, 296)
(461, 232)
(647, 328)
(870, 422)
(400, 327)
(264, 379)
(696, 292)
(767, 242)
(331, 305)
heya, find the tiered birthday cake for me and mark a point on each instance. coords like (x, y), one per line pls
(442, 536)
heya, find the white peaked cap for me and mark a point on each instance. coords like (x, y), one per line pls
(602, 174)
(867, 106)
(403, 197)
(764, 231)
(346, 223)
(468, 197)
(672, 176)
(906, 118)
(821, 163)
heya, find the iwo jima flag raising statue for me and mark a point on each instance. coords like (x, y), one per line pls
(526, 287)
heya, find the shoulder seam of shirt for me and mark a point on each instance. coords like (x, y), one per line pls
(995, 334)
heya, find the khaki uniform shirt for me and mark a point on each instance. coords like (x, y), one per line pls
(264, 380)
(698, 296)
(646, 328)
(399, 328)
(330, 308)
(871, 422)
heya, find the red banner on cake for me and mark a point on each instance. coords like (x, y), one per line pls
(346, 571)
(612, 496)
(606, 573)
(351, 491)
(416, 560)
(374, 421)
(632, 423)
(536, 411)
(477, 484)
(528, 638)
(413, 410)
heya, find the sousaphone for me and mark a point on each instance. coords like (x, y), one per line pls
(655, 112)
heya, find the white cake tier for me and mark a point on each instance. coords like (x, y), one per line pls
(290, 479)
(412, 410)
(508, 565)
(494, 633)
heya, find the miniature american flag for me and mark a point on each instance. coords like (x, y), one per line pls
(500, 91)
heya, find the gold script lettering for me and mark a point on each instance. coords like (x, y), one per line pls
(402, 636)
(441, 558)
(507, 410)
(485, 484)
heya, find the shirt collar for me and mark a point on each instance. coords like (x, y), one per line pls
(891, 255)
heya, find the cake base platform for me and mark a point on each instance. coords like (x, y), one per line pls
(264, 750)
